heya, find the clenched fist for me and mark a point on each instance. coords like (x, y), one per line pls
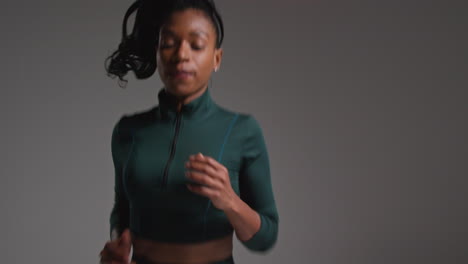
(117, 251)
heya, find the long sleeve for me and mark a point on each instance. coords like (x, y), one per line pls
(255, 187)
(119, 216)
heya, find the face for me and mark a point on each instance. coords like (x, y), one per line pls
(186, 53)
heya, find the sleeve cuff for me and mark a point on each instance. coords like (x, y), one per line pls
(265, 237)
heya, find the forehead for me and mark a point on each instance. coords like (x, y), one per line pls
(189, 21)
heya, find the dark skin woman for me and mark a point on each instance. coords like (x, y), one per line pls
(186, 56)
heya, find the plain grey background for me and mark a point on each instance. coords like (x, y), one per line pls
(363, 106)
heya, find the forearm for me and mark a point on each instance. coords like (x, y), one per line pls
(245, 220)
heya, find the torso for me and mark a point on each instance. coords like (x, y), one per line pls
(183, 253)
(152, 152)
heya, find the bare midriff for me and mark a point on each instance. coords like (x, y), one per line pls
(187, 253)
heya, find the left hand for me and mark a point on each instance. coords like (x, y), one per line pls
(215, 179)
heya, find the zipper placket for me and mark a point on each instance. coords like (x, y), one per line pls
(174, 142)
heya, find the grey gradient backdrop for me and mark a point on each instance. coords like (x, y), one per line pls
(363, 106)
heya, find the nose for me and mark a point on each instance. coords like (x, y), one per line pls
(183, 52)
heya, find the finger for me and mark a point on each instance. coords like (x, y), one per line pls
(110, 257)
(209, 160)
(204, 179)
(203, 190)
(125, 239)
(102, 261)
(202, 167)
(201, 158)
(215, 164)
(111, 246)
(108, 247)
(106, 257)
(114, 252)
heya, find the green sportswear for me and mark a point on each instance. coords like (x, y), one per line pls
(149, 151)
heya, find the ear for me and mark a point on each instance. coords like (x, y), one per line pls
(218, 55)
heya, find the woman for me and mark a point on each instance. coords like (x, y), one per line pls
(188, 173)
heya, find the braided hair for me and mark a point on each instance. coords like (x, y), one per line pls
(137, 51)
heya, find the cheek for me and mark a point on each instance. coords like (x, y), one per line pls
(161, 73)
(159, 58)
(205, 64)
(160, 64)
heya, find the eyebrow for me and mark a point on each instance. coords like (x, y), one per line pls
(199, 33)
(193, 33)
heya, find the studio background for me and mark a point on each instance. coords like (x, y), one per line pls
(363, 105)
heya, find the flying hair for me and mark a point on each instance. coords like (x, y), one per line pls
(136, 51)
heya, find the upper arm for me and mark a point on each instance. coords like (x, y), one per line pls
(256, 188)
(119, 216)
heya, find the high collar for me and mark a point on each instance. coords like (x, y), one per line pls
(197, 108)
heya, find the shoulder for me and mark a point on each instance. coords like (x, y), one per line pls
(129, 122)
(249, 124)
(245, 126)
(243, 120)
(124, 128)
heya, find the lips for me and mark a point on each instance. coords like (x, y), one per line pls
(181, 74)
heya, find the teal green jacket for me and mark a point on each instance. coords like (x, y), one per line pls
(149, 150)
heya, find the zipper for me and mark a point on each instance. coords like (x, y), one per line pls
(171, 156)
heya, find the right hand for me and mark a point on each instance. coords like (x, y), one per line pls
(117, 251)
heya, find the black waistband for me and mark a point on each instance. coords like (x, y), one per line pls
(142, 260)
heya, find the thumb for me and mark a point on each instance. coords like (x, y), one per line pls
(125, 239)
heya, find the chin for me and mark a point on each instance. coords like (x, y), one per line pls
(180, 89)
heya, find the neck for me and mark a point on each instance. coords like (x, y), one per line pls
(182, 100)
